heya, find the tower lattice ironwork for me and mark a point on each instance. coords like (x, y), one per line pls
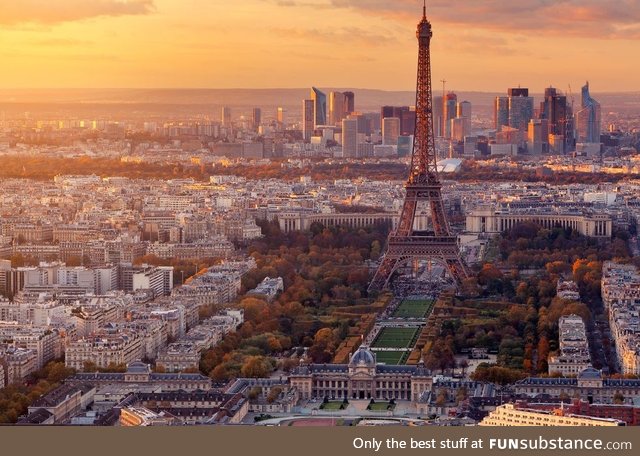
(423, 187)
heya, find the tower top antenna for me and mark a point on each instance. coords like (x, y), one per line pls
(424, 9)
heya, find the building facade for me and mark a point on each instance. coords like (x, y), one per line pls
(511, 415)
(491, 220)
(361, 378)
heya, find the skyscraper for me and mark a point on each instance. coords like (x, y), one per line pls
(554, 108)
(464, 112)
(538, 137)
(406, 114)
(226, 116)
(256, 117)
(449, 112)
(588, 118)
(501, 112)
(390, 131)
(319, 107)
(457, 128)
(308, 113)
(337, 108)
(281, 117)
(408, 121)
(520, 108)
(437, 115)
(349, 103)
(349, 137)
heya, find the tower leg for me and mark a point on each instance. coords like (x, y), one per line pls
(384, 273)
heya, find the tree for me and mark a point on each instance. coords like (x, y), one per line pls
(375, 250)
(463, 365)
(274, 394)
(441, 399)
(618, 398)
(496, 374)
(255, 367)
(543, 354)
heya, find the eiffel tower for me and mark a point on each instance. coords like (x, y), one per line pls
(436, 244)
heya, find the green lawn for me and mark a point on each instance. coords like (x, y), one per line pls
(413, 308)
(380, 406)
(396, 337)
(331, 406)
(392, 358)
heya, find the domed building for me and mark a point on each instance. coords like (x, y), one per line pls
(363, 357)
(361, 378)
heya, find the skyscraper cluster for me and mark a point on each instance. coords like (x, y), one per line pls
(315, 113)
(553, 128)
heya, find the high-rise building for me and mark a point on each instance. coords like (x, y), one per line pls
(437, 115)
(390, 131)
(538, 136)
(555, 109)
(281, 118)
(405, 144)
(319, 107)
(256, 117)
(520, 108)
(450, 107)
(349, 103)
(464, 112)
(349, 137)
(408, 121)
(501, 112)
(226, 116)
(457, 128)
(337, 108)
(588, 118)
(308, 114)
(388, 112)
(406, 114)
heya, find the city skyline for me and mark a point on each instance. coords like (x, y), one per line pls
(327, 43)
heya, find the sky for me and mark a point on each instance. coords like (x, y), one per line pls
(477, 45)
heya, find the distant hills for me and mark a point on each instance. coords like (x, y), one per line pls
(144, 101)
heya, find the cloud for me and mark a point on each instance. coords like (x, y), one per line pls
(341, 35)
(49, 12)
(473, 43)
(608, 19)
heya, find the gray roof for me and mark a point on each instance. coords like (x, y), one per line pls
(363, 356)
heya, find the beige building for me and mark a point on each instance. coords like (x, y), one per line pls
(46, 343)
(621, 296)
(574, 355)
(139, 375)
(18, 363)
(104, 350)
(141, 416)
(178, 357)
(362, 378)
(589, 385)
(300, 221)
(491, 220)
(62, 404)
(510, 415)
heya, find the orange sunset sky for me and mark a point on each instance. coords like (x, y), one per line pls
(477, 45)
